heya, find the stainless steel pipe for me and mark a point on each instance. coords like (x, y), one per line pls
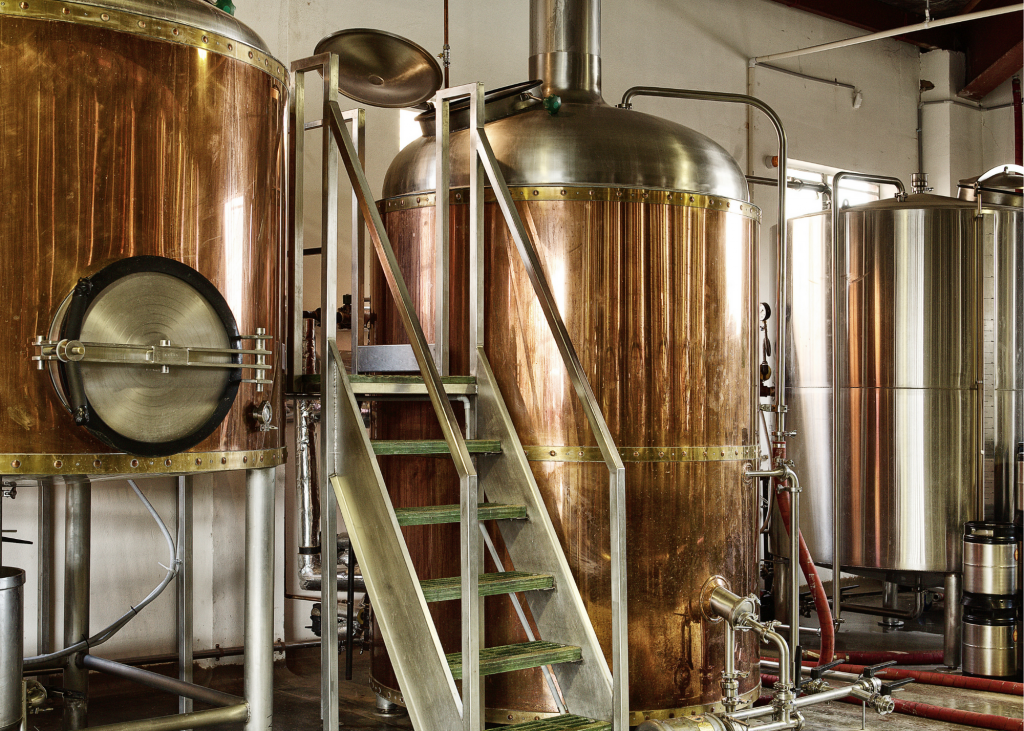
(12, 620)
(77, 538)
(159, 682)
(259, 599)
(565, 48)
(951, 628)
(183, 721)
(838, 254)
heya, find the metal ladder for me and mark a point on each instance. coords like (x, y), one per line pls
(499, 487)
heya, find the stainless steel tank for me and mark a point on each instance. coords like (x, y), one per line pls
(139, 133)
(910, 331)
(12, 643)
(648, 242)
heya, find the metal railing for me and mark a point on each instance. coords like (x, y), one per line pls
(484, 166)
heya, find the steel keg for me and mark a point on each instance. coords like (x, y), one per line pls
(991, 633)
(991, 552)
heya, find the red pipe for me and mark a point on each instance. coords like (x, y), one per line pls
(950, 681)
(828, 637)
(901, 658)
(939, 713)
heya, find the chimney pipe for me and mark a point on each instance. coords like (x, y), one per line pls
(565, 48)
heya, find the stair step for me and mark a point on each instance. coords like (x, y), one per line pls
(448, 588)
(389, 447)
(410, 385)
(566, 722)
(437, 514)
(506, 658)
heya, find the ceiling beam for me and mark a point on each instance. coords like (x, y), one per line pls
(994, 72)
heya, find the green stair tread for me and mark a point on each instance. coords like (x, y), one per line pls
(566, 722)
(450, 587)
(409, 379)
(437, 514)
(392, 447)
(507, 658)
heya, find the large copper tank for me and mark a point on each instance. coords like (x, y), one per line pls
(648, 243)
(909, 333)
(135, 128)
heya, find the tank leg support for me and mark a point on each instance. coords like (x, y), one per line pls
(951, 622)
(77, 530)
(259, 598)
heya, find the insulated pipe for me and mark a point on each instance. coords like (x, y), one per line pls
(159, 682)
(838, 247)
(77, 534)
(259, 599)
(927, 25)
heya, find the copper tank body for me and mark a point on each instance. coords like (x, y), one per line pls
(658, 301)
(131, 130)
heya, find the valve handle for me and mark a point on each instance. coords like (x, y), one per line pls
(871, 670)
(888, 688)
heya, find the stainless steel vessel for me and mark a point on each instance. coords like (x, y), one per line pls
(12, 641)
(916, 334)
(134, 129)
(648, 242)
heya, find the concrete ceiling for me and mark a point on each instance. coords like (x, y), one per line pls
(993, 46)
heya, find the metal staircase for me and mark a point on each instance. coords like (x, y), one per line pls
(496, 482)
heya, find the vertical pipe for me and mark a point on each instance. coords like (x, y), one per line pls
(1018, 132)
(979, 354)
(184, 631)
(296, 240)
(12, 620)
(442, 246)
(565, 48)
(44, 616)
(259, 598)
(951, 622)
(77, 530)
(794, 573)
(328, 415)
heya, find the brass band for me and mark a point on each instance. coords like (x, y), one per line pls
(638, 717)
(144, 25)
(587, 193)
(541, 453)
(127, 464)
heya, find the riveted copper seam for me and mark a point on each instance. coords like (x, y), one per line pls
(568, 193)
(115, 464)
(148, 27)
(644, 454)
(638, 717)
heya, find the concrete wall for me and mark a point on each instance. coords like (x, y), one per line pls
(653, 42)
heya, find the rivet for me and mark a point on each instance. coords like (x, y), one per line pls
(661, 454)
(175, 31)
(245, 459)
(645, 195)
(266, 62)
(58, 464)
(250, 54)
(636, 454)
(561, 192)
(167, 462)
(103, 16)
(135, 463)
(142, 24)
(223, 460)
(231, 47)
(199, 460)
(691, 199)
(65, 11)
(261, 458)
(581, 452)
(536, 192)
(552, 453)
(96, 463)
(16, 464)
(205, 39)
(24, 6)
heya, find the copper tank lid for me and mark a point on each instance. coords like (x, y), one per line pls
(587, 142)
(196, 13)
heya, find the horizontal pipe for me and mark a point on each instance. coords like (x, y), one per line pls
(159, 682)
(808, 77)
(927, 25)
(808, 630)
(791, 183)
(183, 721)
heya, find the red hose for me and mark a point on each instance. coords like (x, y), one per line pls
(901, 658)
(1006, 687)
(828, 637)
(939, 713)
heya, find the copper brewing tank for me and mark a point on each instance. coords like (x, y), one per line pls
(648, 242)
(131, 128)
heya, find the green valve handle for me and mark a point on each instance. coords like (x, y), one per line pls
(552, 104)
(226, 5)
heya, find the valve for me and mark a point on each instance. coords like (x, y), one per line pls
(871, 670)
(816, 683)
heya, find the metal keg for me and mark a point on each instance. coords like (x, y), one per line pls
(991, 634)
(991, 553)
(12, 589)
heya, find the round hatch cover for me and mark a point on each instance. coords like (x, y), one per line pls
(382, 69)
(151, 410)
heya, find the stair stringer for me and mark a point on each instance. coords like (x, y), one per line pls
(533, 546)
(429, 690)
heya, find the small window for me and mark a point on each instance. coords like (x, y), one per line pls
(801, 201)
